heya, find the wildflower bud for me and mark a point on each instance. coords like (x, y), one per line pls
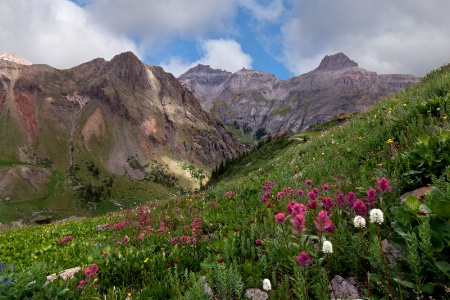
(359, 222)
(376, 216)
(327, 247)
(267, 286)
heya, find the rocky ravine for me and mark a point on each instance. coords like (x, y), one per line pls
(258, 100)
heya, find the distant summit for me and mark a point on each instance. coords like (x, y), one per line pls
(338, 61)
(11, 56)
(255, 101)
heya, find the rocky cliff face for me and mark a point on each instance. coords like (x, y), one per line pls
(122, 115)
(259, 101)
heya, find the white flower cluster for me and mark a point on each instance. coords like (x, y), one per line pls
(267, 286)
(359, 222)
(327, 247)
(376, 216)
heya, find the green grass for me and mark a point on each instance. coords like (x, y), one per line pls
(229, 217)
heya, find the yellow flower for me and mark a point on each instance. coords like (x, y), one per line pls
(404, 104)
(129, 294)
(444, 117)
(96, 279)
(375, 116)
(390, 141)
(146, 260)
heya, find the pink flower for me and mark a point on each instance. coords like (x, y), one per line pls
(300, 193)
(327, 203)
(341, 202)
(383, 185)
(229, 194)
(325, 187)
(315, 191)
(94, 268)
(213, 204)
(289, 206)
(299, 223)
(81, 284)
(303, 259)
(312, 204)
(298, 208)
(280, 218)
(351, 198)
(258, 242)
(269, 205)
(105, 254)
(126, 239)
(371, 198)
(279, 195)
(118, 243)
(323, 222)
(308, 182)
(311, 195)
(360, 208)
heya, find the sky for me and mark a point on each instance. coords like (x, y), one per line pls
(283, 37)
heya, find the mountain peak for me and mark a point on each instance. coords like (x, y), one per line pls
(11, 56)
(336, 62)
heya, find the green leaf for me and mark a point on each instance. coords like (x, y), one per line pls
(405, 283)
(423, 139)
(412, 203)
(444, 267)
(438, 202)
(425, 209)
(428, 287)
(445, 135)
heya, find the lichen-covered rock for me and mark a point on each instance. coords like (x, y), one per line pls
(256, 294)
(344, 289)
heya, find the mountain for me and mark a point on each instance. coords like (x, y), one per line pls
(258, 102)
(100, 124)
(11, 56)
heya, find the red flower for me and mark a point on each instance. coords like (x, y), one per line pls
(303, 259)
(221, 260)
(383, 185)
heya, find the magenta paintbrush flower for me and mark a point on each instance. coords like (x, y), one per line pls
(303, 259)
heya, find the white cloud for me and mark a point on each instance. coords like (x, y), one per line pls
(383, 36)
(56, 32)
(271, 12)
(152, 21)
(177, 65)
(222, 54)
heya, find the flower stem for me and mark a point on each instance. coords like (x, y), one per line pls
(328, 272)
(384, 264)
(364, 264)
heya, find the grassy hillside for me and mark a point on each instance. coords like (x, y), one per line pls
(272, 214)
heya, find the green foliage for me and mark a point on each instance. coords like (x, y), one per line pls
(426, 232)
(429, 157)
(225, 280)
(196, 174)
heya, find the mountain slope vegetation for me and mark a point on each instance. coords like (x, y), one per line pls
(288, 218)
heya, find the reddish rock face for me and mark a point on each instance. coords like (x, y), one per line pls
(2, 101)
(258, 100)
(26, 105)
